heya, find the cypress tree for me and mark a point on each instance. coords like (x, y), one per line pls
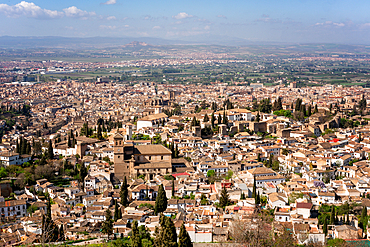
(315, 110)
(298, 104)
(69, 144)
(116, 211)
(173, 188)
(28, 149)
(50, 153)
(309, 111)
(82, 173)
(161, 200)
(176, 152)
(254, 187)
(99, 134)
(224, 118)
(332, 215)
(364, 218)
(213, 120)
(184, 238)
(257, 201)
(258, 118)
(24, 146)
(242, 196)
(303, 110)
(206, 118)
(135, 240)
(325, 227)
(124, 192)
(279, 105)
(61, 233)
(107, 227)
(224, 200)
(170, 235)
(347, 222)
(20, 145)
(219, 118)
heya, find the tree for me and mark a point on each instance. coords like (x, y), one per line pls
(224, 199)
(325, 226)
(258, 118)
(303, 109)
(265, 106)
(315, 110)
(99, 133)
(161, 200)
(242, 196)
(170, 235)
(203, 200)
(117, 214)
(213, 120)
(224, 118)
(31, 209)
(49, 229)
(210, 173)
(61, 234)
(124, 192)
(184, 238)
(107, 227)
(332, 215)
(277, 105)
(298, 104)
(257, 200)
(50, 153)
(254, 187)
(194, 122)
(362, 104)
(309, 110)
(83, 174)
(173, 188)
(135, 240)
(176, 155)
(219, 119)
(206, 118)
(364, 218)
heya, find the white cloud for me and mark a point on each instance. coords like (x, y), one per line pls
(29, 10)
(221, 16)
(330, 23)
(107, 27)
(109, 2)
(182, 15)
(156, 27)
(110, 18)
(206, 27)
(73, 11)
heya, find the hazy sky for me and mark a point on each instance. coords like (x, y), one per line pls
(260, 20)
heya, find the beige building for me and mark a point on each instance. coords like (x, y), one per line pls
(133, 161)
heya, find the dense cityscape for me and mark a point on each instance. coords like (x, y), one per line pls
(208, 148)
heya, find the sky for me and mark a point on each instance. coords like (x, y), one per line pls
(297, 21)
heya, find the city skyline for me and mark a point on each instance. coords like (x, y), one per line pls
(192, 21)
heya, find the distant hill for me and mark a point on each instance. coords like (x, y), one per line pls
(76, 43)
(136, 44)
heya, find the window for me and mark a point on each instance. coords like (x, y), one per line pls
(150, 157)
(161, 157)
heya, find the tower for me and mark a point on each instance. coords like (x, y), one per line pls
(121, 168)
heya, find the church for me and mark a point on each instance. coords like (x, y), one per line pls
(135, 160)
